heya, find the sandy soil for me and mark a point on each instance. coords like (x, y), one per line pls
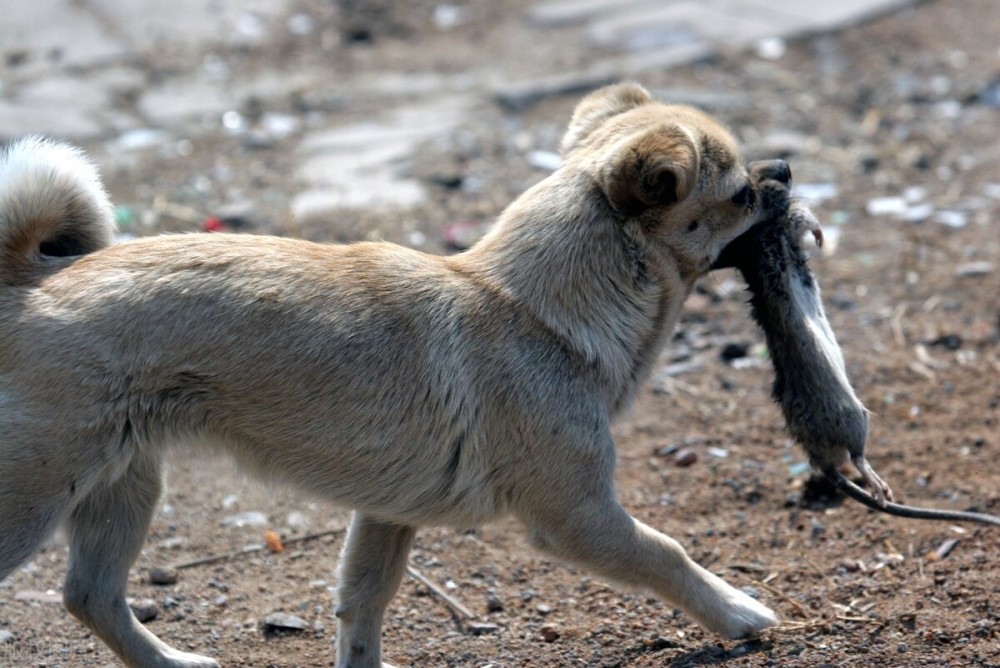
(906, 106)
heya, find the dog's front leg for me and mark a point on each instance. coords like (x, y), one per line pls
(371, 567)
(574, 514)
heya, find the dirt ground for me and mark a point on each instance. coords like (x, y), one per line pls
(905, 107)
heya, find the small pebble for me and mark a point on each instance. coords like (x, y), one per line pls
(902, 647)
(543, 609)
(47, 596)
(849, 565)
(685, 457)
(917, 213)
(174, 543)
(973, 269)
(6, 637)
(660, 643)
(771, 48)
(799, 468)
(953, 219)
(494, 603)
(162, 575)
(480, 628)
(145, 610)
(250, 518)
(281, 621)
(734, 351)
(550, 633)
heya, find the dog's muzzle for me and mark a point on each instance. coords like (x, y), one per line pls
(772, 179)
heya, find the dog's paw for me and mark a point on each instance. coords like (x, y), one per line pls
(746, 618)
(738, 616)
(177, 659)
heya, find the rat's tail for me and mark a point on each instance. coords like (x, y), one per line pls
(861, 496)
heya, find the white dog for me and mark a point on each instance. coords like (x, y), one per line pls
(412, 388)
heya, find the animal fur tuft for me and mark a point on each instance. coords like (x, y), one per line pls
(52, 204)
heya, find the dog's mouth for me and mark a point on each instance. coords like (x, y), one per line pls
(773, 203)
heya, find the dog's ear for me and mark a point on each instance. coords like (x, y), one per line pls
(659, 167)
(599, 106)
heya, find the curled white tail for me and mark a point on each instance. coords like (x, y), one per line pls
(52, 203)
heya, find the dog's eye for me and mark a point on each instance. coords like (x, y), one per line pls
(692, 226)
(745, 197)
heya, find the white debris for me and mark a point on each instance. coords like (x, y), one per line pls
(815, 192)
(918, 213)
(771, 48)
(953, 219)
(547, 160)
(250, 518)
(886, 206)
(974, 269)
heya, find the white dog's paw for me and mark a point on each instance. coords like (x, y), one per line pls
(744, 617)
(732, 614)
(177, 659)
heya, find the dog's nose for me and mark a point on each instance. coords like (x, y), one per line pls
(777, 170)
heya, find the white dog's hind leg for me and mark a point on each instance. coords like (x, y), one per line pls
(106, 532)
(593, 530)
(371, 568)
(29, 512)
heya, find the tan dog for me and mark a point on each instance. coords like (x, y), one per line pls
(414, 389)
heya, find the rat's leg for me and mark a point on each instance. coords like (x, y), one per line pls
(880, 489)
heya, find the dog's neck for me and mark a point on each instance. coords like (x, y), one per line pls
(561, 254)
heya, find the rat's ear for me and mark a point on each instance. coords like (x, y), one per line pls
(659, 167)
(599, 106)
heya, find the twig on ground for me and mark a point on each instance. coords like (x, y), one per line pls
(747, 568)
(797, 627)
(943, 550)
(250, 549)
(866, 620)
(788, 599)
(458, 611)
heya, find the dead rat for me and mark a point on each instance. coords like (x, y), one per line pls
(810, 380)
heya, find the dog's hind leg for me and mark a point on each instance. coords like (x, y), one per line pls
(106, 532)
(39, 482)
(30, 510)
(574, 515)
(371, 568)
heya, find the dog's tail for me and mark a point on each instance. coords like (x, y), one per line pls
(52, 203)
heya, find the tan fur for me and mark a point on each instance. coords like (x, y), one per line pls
(412, 388)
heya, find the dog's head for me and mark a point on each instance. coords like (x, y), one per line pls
(673, 171)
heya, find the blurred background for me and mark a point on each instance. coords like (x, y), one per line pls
(417, 123)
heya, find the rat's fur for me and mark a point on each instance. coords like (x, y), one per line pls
(810, 380)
